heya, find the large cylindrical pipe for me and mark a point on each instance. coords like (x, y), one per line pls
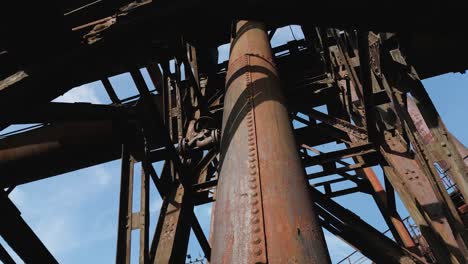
(264, 213)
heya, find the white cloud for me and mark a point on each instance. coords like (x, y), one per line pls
(84, 93)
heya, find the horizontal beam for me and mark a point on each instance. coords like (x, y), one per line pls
(68, 112)
(343, 125)
(205, 185)
(337, 155)
(350, 167)
(56, 149)
(322, 134)
(63, 147)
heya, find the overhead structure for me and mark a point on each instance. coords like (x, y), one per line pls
(245, 134)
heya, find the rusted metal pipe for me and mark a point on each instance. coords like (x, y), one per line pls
(263, 210)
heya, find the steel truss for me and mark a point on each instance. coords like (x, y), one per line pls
(376, 107)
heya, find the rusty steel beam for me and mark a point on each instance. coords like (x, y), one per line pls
(446, 148)
(372, 243)
(53, 149)
(69, 112)
(423, 199)
(366, 85)
(176, 216)
(263, 211)
(128, 219)
(60, 148)
(170, 242)
(202, 240)
(5, 257)
(334, 156)
(395, 223)
(446, 156)
(461, 149)
(124, 228)
(424, 203)
(391, 216)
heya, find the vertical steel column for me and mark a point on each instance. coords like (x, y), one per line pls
(143, 216)
(129, 220)
(124, 230)
(263, 211)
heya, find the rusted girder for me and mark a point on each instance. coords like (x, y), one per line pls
(373, 244)
(124, 227)
(393, 219)
(422, 200)
(69, 112)
(263, 211)
(57, 149)
(443, 154)
(63, 147)
(128, 219)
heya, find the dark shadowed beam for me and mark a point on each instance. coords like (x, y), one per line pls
(110, 91)
(345, 224)
(204, 244)
(131, 43)
(19, 236)
(124, 227)
(53, 149)
(59, 148)
(367, 87)
(5, 257)
(69, 112)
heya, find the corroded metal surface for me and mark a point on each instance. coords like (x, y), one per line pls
(394, 217)
(263, 214)
(422, 201)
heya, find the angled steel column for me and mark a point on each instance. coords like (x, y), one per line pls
(372, 243)
(124, 230)
(263, 211)
(19, 236)
(5, 257)
(396, 225)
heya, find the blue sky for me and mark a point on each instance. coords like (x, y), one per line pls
(75, 214)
